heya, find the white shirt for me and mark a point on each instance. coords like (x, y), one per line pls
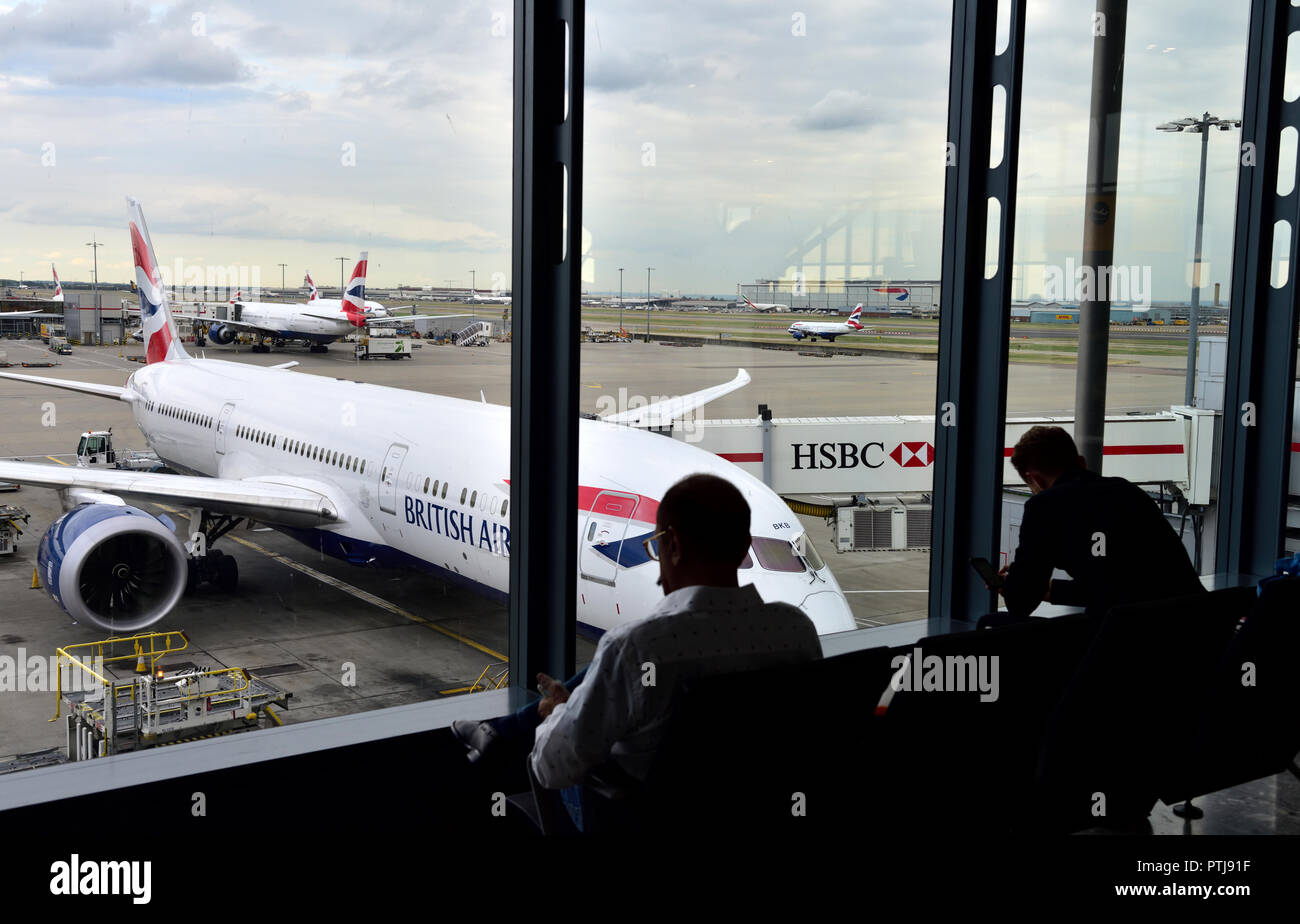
(621, 705)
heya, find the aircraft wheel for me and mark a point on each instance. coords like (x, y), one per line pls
(191, 576)
(227, 574)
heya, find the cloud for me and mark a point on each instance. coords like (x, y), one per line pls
(838, 109)
(69, 23)
(187, 62)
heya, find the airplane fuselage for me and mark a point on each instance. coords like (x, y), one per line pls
(423, 481)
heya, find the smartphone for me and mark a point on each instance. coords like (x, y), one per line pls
(984, 568)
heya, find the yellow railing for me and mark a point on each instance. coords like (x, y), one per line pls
(153, 655)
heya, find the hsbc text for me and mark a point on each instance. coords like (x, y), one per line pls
(838, 455)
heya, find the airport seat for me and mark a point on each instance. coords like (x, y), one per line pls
(754, 749)
(1248, 723)
(1144, 679)
(949, 742)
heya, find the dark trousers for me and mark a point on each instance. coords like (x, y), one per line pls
(518, 730)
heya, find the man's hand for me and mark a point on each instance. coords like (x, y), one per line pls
(1002, 574)
(553, 692)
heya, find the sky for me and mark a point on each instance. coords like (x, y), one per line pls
(725, 141)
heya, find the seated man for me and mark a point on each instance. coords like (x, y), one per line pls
(1105, 532)
(706, 624)
(615, 710)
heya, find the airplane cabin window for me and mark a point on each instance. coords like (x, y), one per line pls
(462, 494)
(473, 498)
(504, 504)
(426, 485)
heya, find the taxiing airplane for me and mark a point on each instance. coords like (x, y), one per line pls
(828, 329)
(765, 306)
(357, 471)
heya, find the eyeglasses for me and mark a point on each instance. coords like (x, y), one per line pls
(652, 544)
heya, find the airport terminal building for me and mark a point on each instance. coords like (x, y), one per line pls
(993, 565)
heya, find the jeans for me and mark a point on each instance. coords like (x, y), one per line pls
(524, 722)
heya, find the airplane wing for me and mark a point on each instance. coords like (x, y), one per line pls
(290, 501)
(665, 412)
(393, 319)
(89, 388)
(208, 319)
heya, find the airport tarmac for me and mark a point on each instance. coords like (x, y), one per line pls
(307, 621)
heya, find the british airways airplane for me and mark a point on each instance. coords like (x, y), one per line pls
(355, 471)
(828, 329)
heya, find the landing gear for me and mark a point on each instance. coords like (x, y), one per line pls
(206, 564)
(260, 347)
(319, 348)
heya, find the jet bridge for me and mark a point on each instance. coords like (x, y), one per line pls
(851, 456)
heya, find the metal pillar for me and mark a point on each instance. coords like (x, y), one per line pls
(1262, 326)
(1099, 229)
(544, 358)
(975, 312)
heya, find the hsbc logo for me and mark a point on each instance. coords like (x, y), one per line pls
(808, 456)
(913, 455)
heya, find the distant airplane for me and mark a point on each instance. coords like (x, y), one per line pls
(828, 329)
(58, 286)
(490, 299)
(765, 306)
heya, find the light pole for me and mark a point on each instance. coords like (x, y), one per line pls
(473, 294)
(342, 260)
(94, 246)
(647, 303)
(1202, 127)
(620, 301)
(282, 266)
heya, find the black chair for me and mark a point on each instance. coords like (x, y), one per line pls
(1247, 723)
(968, 756)
(1114, 737)
(753, 750)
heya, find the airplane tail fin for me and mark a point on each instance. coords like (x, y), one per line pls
(58, 286)
(239, 294)
(312, 294)
(855, 319)
(162, 341)
(354, 296)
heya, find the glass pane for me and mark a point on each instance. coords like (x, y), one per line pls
(330, 192)
(1133, 246)
(766, 194)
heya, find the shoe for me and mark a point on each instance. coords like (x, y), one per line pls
(476, 736)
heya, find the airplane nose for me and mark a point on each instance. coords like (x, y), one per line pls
(829, 612)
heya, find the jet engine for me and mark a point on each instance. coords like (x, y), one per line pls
(113, 566)
(220, 334)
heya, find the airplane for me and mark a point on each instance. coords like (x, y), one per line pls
(318, 323)
(390, 492)
(375, 312)
(490, 299)
(765, 306)
(58, 297)
(828, 329)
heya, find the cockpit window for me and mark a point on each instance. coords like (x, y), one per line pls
(810, 553)
(776, 555)
(748, 562)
